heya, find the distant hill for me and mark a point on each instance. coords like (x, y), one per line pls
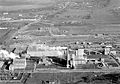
(23, 4)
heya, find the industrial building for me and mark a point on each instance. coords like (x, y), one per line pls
(76, 58)
(40, 50)
(43, 56)
(94, 54)
(85, 56)
(18, 64)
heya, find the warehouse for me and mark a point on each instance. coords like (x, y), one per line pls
(43, 50)
(18, 64)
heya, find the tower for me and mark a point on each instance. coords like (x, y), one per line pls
(106, 51)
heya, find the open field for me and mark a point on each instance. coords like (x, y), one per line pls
(63, 78)
(59, 22)
(75, 78)
(11, 28)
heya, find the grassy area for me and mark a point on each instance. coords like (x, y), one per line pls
(64, 78)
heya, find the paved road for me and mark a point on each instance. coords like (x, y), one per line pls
(115, 59)
(69, 70)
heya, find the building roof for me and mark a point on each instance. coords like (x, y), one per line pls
(40, 47)
(46, 53)
(97, 56)
(19, 62)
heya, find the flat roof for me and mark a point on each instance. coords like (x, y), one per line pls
(97, 56)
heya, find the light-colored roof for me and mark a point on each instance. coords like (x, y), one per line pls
(46, 53)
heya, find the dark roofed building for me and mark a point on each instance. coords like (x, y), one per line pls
(97, 56)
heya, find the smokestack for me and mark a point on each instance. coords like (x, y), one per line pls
(13, 50)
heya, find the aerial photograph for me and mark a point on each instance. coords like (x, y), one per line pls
(59, 41)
